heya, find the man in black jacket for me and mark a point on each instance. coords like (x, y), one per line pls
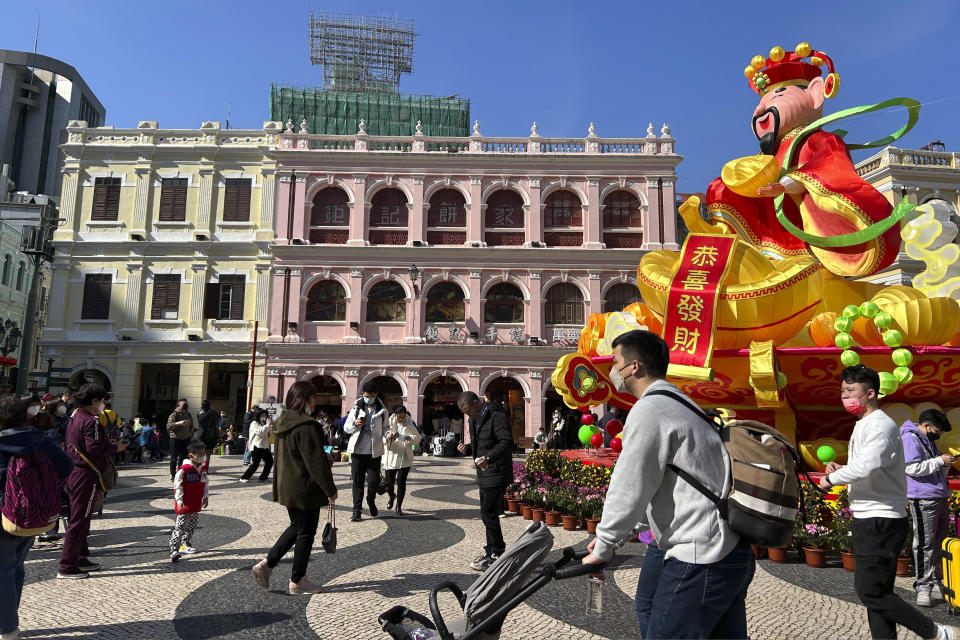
(490, 446)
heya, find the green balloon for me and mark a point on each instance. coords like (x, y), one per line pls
(883, 320)
(850, 358)
(826, 454)
(892, 338)
(781, 380)
(851, 311)
(750, 381)
(843, 324)
(843, 341)
(902, 357)
(869, 309)
(888, 383)
(903, 374)
(585, 434)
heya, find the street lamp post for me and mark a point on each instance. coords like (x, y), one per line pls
(414, 273)
(10, 336)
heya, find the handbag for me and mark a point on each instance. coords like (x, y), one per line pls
(329, 538)
(108, 477)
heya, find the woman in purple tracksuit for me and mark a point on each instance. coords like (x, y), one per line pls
(927, 491)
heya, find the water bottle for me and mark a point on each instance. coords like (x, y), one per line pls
(422, 633)
(595, 584)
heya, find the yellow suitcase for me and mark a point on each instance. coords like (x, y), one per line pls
(950, 560)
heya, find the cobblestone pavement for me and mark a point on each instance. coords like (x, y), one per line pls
(380, 562)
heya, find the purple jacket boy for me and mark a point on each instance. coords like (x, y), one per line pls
(926, 469)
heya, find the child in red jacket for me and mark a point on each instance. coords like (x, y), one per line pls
(189, 497)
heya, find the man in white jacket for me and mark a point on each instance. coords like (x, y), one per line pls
(365, 425)
(696, 577)
(875, 474)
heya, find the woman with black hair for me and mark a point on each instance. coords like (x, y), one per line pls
(398, 443)
(260, 442)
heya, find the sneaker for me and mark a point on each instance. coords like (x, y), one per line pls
(53, 537)
(303, 587)
(373, 509)
(477, 563)
(72, 574)
(355, 517)
(89, 565)
(176, 555)
(936, 594)
(489, 561)
(947, 633)
(185, 549)
(261, 573)
(244, 480)
(923, 599)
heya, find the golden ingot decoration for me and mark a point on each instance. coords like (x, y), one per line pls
(777, 53)
(803, 49)
(744, 176)
(758, 61)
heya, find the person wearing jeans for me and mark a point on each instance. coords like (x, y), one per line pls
(260, 443)
(303, 483)
(180, 428)
(876, 476)
(701, 568)
(928, 491)
(366, 424)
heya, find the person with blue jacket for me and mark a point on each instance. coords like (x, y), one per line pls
(16, 440)
(927, 492)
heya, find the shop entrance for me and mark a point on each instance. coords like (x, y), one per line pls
(440, 413)
(390, 391)
(227, 390)
(509, 392)
(159, 386)
(328, 397)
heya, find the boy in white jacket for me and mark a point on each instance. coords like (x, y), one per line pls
(875, 473)
(365, 425)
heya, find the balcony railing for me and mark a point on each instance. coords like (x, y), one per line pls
(892, 156)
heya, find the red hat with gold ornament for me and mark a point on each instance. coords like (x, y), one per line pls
(785, 68)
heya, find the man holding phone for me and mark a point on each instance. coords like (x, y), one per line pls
(365, 425)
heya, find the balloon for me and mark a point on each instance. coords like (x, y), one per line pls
(843, 341)
(616, 444)
(851, 311)
(892, 338)
(869, 309)
(888, 383)
(585, 434)
(588, 384)
(843, 324)
(596, 440)
(826, 454)
(614, 427)
(903, 374)
(586, 418)
(902, 357)
(781, 380)
(850, 358)
(883, 320)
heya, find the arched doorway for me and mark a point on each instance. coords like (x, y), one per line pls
(328, 396)
(84, 376)
(509, 393)
(440, 413)
(390, 391)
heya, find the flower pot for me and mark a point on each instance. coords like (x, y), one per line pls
(539, 515)
(569, 522)
(848, 562)
(903, 568)
(757, 551)
(527, 512)
(592, 524)
(777, 555)
(553, 518)
(512, 506)
(816, 558)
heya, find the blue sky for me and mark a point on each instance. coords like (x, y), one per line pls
(561, 63)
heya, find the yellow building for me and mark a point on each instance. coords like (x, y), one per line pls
(162, 263)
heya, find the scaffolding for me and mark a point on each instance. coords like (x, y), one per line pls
(385, 114)
(361, 53)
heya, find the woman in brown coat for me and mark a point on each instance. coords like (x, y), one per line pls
(303, 483)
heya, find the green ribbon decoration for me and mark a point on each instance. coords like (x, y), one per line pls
(878, 228)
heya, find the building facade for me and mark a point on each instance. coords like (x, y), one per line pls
(161, 263)
(38, 96)
(437, 265)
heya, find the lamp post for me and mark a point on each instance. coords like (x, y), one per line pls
(10, 336)
(414, 273)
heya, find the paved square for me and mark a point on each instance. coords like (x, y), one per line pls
(380, 562)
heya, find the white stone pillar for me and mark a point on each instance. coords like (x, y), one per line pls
(267, 198)
(58, 295)
(142, 201)
(131, 312)
(264, 277)
(197, 295)
(205, 210)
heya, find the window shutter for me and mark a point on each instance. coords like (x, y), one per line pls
(96, 297)
(99, 201)
(113, 200)
(180, 200)
(166, 295)
(243, 202)
(211, 300)
(173, 199)
(236, 200)
(237, 284)
(159, 297)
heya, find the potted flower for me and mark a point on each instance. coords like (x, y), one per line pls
(842, 526)
(569, 507)
(538, 503)
(552, 502)
(592, 510)
(815, 540)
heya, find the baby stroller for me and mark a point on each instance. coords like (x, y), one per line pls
(493, 595)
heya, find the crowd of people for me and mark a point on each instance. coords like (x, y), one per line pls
(696, 570)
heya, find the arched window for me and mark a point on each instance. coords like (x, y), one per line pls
(445, 303)
(20, 269)
(330, 216)
(386, 302)
(447, 218)
(621, 210)
(504, 220)
(619, 296)
(564, 304)
(562, 209)
(388, 217)
(504, 304)
(7, 262)
(327, 302)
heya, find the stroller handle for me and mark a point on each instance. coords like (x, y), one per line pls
(572, 571)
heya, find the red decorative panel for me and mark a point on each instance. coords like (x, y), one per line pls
(623, 240)
(505, 239)
(563, 238)
(329, 236)
(446, 237)
(388, 237)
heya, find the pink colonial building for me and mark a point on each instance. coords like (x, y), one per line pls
(436, 265)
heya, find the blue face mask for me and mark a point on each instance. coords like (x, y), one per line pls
(369, 400)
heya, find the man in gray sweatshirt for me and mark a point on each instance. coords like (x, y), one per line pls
(694, 581)
(876, 476)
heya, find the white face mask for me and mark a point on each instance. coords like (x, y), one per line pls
(32, 411)
(100, 408)
(199, 459)
(61, 410)
(617, 378)
(369, 400)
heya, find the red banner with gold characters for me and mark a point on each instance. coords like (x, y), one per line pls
(692, 302)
